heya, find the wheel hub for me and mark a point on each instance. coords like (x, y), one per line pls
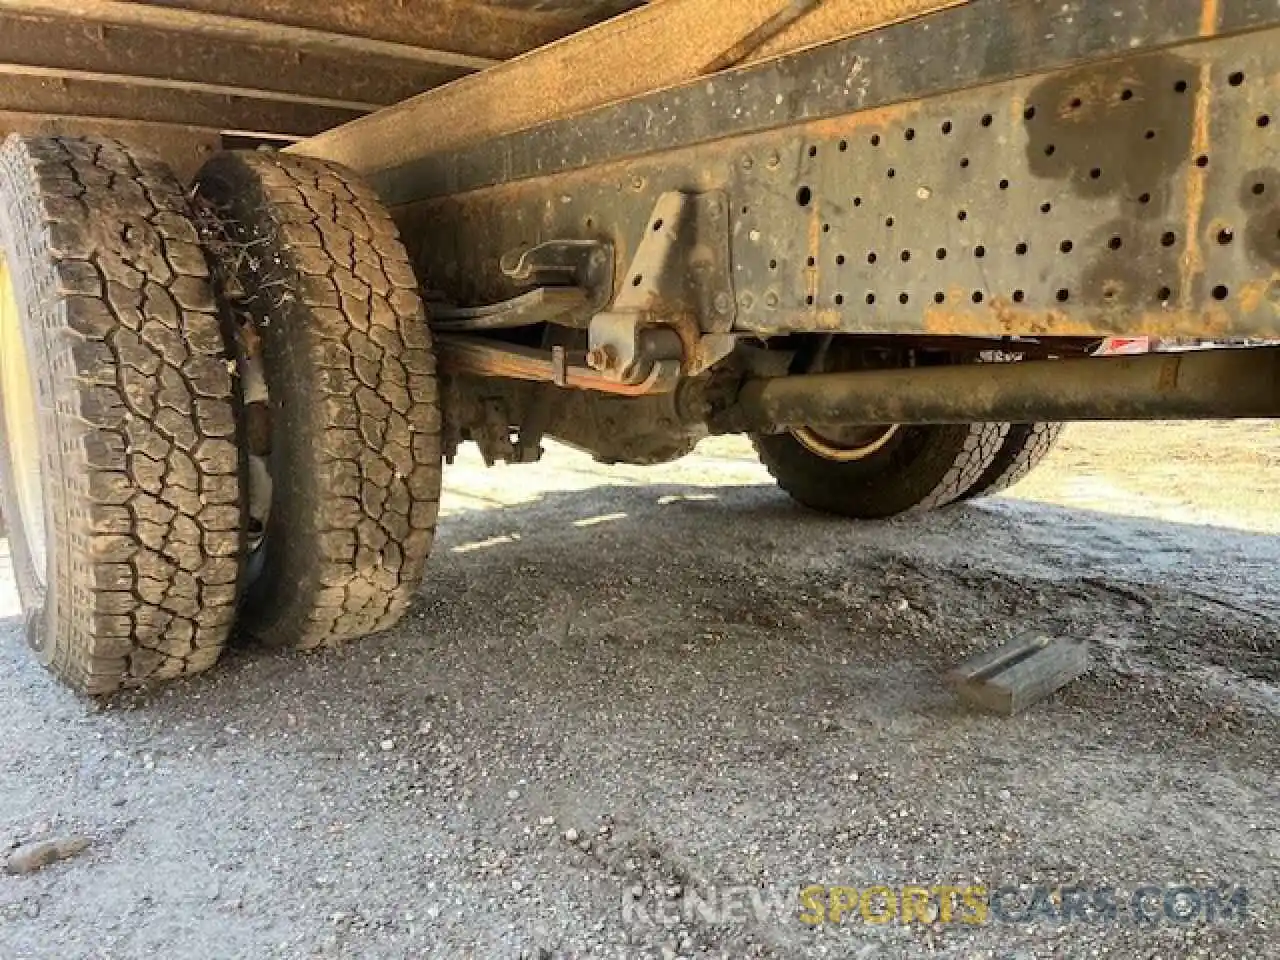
(21, 424)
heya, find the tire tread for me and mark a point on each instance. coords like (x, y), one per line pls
(1025, 446)
(363, 396)
(953, 459)
(146, 497)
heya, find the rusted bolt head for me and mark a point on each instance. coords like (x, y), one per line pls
(774, 161)
(746, 301)
(748, 162)
(771, 299)
(723, 302)
(601, 358)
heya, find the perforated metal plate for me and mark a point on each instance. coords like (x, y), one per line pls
(1137, 195)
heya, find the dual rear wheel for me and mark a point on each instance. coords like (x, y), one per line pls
(157, 493)
(873, 472)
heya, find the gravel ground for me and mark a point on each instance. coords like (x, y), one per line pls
(637, 710)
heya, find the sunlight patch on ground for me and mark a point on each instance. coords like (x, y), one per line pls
(485, 544)
(603, 518)
(9, 606)
(1091, 492)
(718, 462)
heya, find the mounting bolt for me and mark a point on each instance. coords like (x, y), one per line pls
(774, 161)
(771, 300)
(748, 162)
(746, 301)
(722, 302)
(601, 358)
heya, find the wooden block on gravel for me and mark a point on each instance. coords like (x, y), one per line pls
(1017, 674)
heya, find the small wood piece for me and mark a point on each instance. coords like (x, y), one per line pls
(35, 856)
(1019, 673)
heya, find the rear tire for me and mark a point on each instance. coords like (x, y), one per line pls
(918, 468)
(119, 466)
(323, 299)
(1024, 447)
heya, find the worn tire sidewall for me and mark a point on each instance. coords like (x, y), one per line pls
(234, 189)
(23, 241)
(895, 479)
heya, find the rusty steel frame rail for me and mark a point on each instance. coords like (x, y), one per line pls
(1193, 385)
(1079, 168)
(973, 43)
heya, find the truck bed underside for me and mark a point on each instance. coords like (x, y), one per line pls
(179, 74)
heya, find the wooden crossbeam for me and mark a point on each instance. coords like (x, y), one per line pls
(659, 45)
(184, 86)
(170, 54)
(244, 29)
(115, 98)
(494, 29)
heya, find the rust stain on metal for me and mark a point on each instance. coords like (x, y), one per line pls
(1005, 313)
(825, 318)
(687, 328)
(1254, 294)
(1019, 321)
(836, 127)
(1209, 18)
(1192, 261)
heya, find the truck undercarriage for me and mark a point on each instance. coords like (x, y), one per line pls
(887, 243)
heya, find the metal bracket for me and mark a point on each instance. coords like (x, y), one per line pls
(504, 432)
(625, 347)
(682, 263)
(676, 294)
(583, 263)
(493, 434)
